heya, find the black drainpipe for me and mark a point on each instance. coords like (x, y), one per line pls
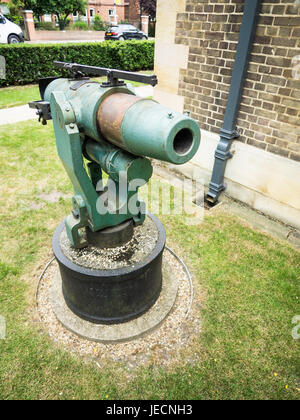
(228, 131)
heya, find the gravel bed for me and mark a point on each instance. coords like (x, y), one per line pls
(141, 245)
(173, 342)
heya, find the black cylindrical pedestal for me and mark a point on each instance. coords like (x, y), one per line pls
(111, 296)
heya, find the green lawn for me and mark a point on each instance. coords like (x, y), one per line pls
(249, 280)
(21, 95)
(18, 95)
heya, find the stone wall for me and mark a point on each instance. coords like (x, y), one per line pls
(170, 58)
(270, 110)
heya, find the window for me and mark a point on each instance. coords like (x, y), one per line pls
(84, 17)
(4, 9)
(92, 13)
(111, 12)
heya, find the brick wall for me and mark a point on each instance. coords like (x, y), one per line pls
(103, 11)
(127, 9)
(270, 110)
(134, 15)
(102, 8)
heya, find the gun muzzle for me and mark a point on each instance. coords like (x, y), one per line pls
(145, 128)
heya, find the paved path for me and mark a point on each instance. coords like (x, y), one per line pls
(24, 113)
(16, 114)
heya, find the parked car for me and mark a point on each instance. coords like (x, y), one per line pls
(10, 33)
(124, 32)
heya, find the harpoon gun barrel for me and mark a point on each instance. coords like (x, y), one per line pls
(139, 126)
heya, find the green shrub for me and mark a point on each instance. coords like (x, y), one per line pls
(45, 26)
(99, 24)
(17, 19)
(80, 26)
(26, 63)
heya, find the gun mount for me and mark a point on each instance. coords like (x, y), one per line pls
(117, 133)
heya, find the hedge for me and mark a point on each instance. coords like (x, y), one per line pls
(26, 63)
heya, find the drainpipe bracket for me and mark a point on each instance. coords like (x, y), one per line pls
(223, 149)
(219, 154)
(229, 134)
(214, 192)
(216, 187)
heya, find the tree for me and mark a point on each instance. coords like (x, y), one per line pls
(148, 6)
(62, 9)
(36, 6)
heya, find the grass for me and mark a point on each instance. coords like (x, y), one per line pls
(18, 95)
(21, 95)
(250, 282)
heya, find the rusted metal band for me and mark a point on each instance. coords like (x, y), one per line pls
(111, 113)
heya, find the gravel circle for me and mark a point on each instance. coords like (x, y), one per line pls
(174, 340)
(141, 245)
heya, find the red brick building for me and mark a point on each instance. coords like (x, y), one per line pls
(126, 10)
(105, 9)
(134, 12)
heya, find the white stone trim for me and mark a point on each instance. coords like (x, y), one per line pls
(263, 180)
